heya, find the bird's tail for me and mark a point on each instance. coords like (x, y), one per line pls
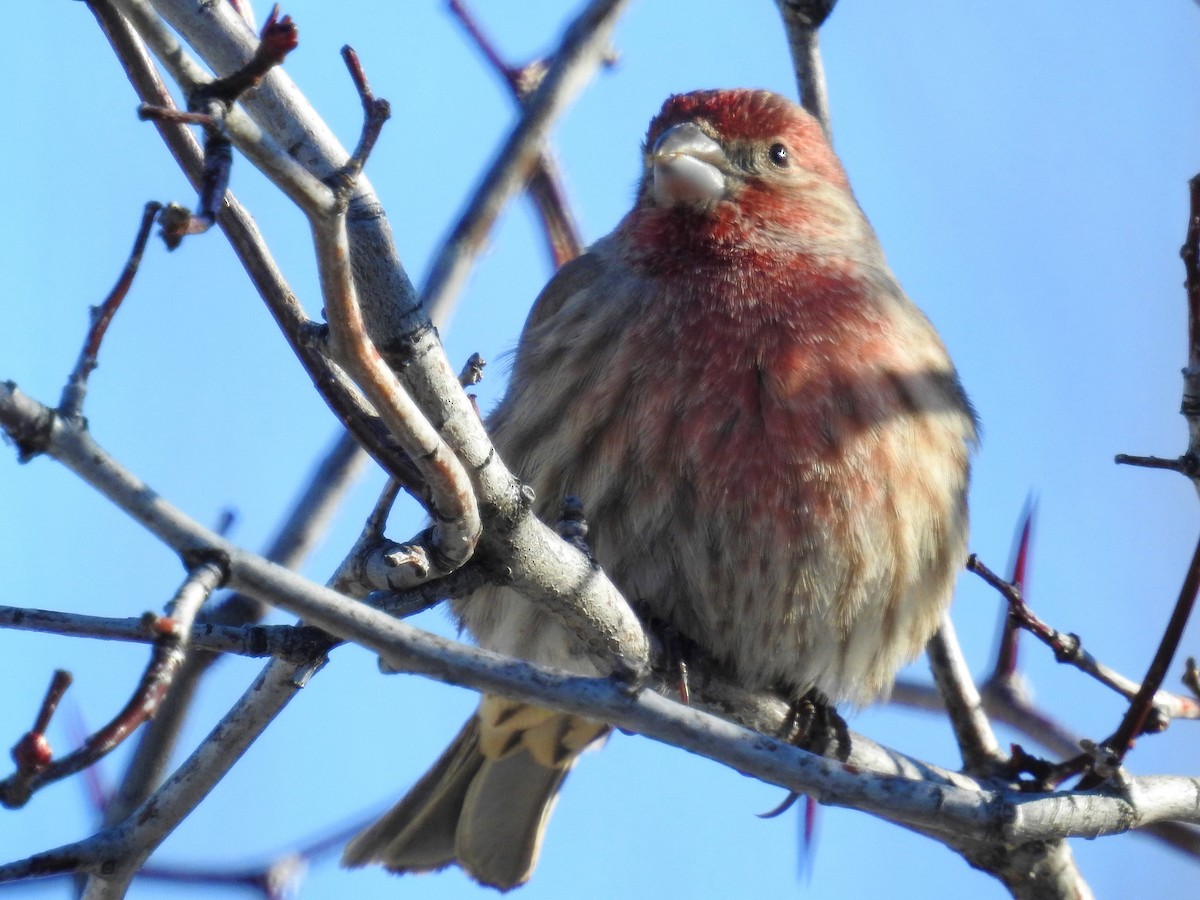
(485, 803)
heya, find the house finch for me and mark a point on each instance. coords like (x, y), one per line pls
(769, 440)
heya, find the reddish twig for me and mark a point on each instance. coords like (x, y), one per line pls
(276, 40)
(1006, 653)
(449, 494)
(301, 333)
(32, 753)
(376, 112)
(357, 74)
(168, 654)
(583, 48)
(95, 786)
(71, 404)
(483, 42)
(1067, 647)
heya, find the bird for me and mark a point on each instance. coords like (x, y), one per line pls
(769, 439)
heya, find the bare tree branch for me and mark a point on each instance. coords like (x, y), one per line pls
(288, 642)
(71, 404)
(545, 187)
(1068, 648)
(962, 813)
(583, 48)
(343, 398)
(801, 20)
(403, 334)
(170, 647)
(980, 750)
(305, 523)
(385, 338)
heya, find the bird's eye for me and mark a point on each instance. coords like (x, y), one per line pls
(778, 155)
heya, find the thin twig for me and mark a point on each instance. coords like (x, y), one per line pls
(343, 398)
(113, 856)
(1189, 463)
(1068, 648)
(211, 105)
(304, 524)
(581, 52)
(288, 174)
(1010, 632)
(254, 641)
(376, 112)
(1182, 464)
(71, 404)
(545, 187)
(294, 643)
(170, 647)
(32, 753)
(1136, 717)
(450, 497)
(277, 38)
(375, 563)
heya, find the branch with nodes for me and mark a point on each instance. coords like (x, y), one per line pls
(545, 187)
(403, 334)
(1150, 709)
(286, 642)
(1189, 463)
(379, 365)
(71, 404)
(620, 701)
(450, 498)
(1139, 717)
(1004, 696)
(234, 617)
(584, 47)
(343, 398)
(1068, 649)
(951, 805)
(268, 696)
(172, 631)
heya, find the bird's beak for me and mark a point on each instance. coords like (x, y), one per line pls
(688, 167)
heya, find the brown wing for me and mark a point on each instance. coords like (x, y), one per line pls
(571, 278)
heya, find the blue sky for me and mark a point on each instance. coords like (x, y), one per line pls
(1025, 167)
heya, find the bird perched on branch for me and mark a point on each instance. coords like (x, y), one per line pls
(769, 440)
